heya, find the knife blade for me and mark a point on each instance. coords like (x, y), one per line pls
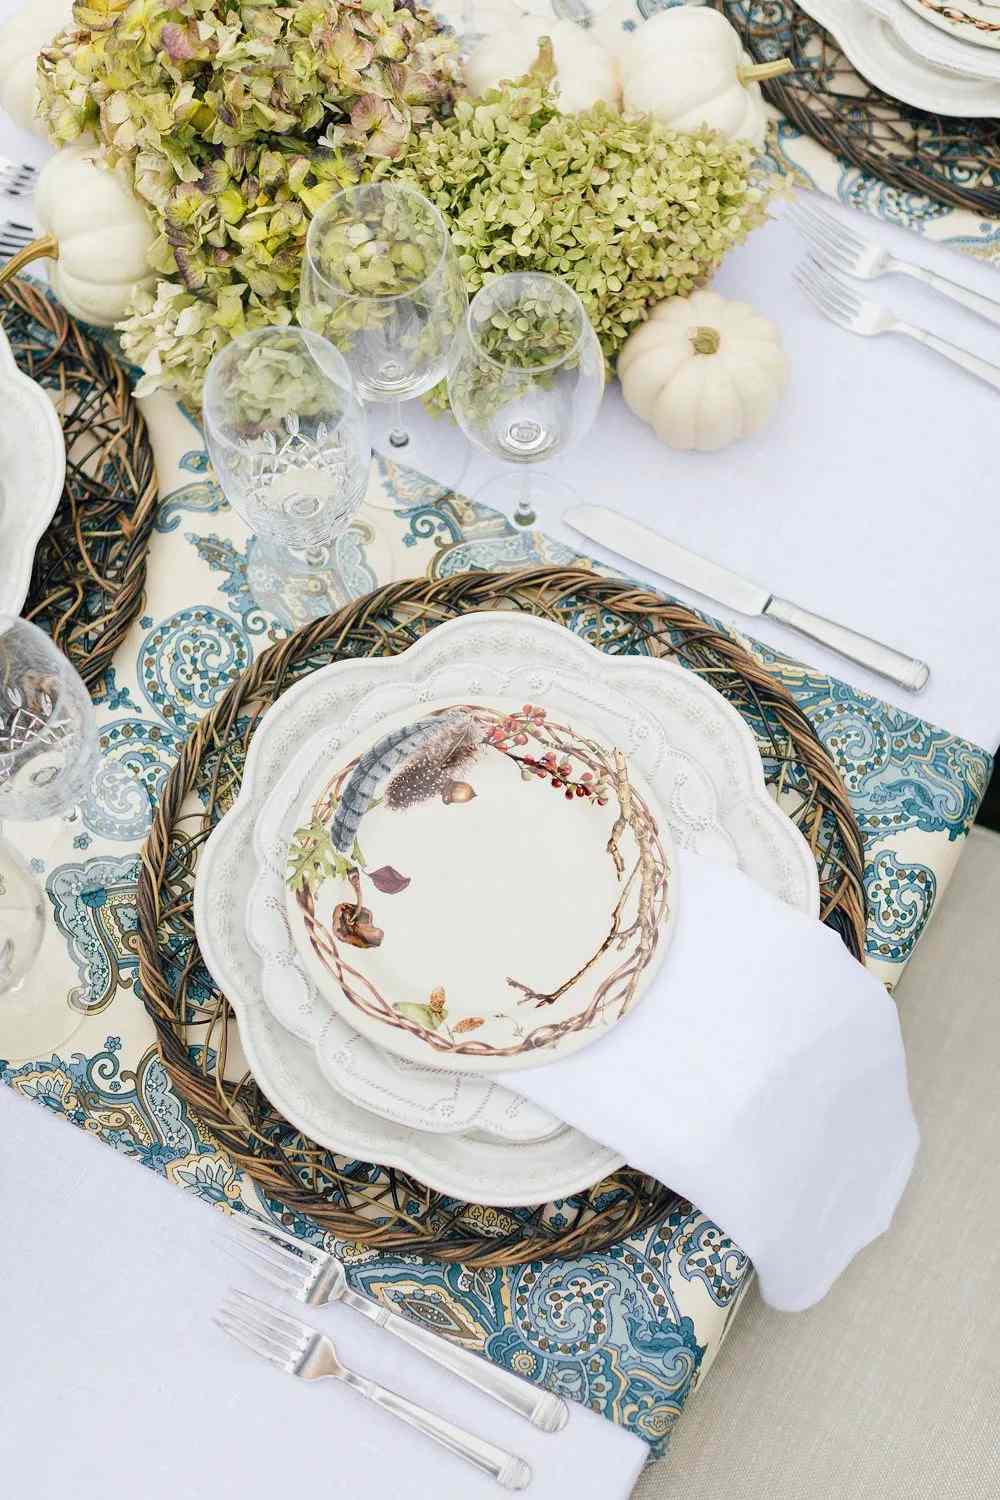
(640, 544)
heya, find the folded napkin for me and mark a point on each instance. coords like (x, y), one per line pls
(762, 1076)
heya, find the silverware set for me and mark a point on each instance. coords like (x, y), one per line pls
(317, 1278)
(17, 179)
(837, 251)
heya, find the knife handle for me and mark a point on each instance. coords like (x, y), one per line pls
(905, 671)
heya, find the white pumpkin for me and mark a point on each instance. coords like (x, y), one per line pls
(21, 40)
(584, 73)
(688, 68)
(702, 371)
(101, 232)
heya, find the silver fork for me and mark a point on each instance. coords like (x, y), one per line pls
(841, 249)
(16, 178)
(300, 1350)
(316, 1277)
(857, 315)
(14, 237)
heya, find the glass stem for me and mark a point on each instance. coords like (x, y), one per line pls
(524, 515)
(398, 435)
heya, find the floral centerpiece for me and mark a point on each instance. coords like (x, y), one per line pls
(236, 121)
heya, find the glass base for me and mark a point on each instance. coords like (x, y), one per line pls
(296, 587)
(542, 501)
(36, 1019)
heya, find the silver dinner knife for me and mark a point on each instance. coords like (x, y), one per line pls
(639, 544)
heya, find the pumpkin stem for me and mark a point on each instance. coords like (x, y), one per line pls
(544, 66)
(705, 340)
(757, 72)
(48, 246)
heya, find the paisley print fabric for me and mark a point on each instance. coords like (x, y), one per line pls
(629, 1332)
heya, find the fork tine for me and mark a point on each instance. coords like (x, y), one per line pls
(838, 290)
(834, 227)
(293, 1328)
(277, 1276)
(817, 296)
(271, 1231)
(264, 1248)
(818, 235)
(252, 1321)
(250, 1340)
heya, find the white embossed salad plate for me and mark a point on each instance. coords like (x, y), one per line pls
(32, 469)
(690, 745)
(481, 884)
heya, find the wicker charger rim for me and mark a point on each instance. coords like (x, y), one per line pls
(382, 1207)
(88, 578)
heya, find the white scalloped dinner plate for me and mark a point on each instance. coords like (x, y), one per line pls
(691, 743)
(879, 55)
(32, 470)
(941, 47)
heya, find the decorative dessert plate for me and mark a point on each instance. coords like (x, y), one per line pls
(879, 55)
(691, 746)
(483, 887)
(32, 469)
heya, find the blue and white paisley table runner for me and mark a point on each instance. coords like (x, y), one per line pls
(629, 1332)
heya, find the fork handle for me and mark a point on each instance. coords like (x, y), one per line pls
(509, 1471)
(540, 1408)
(981, 368)
(974, 301)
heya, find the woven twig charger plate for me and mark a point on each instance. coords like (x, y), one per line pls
(949, 159)
(89, 573)
(362, 1201)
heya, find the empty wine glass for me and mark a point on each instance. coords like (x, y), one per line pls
(48, 754)
(525, 381)
(381, 280)
(287, 437)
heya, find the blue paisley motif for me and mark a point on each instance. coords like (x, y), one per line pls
(93, 904)
(189, 659)
(136, 756)
(223, 557)
(201, 496)
(900, 898)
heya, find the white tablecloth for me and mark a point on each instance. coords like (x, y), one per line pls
(870, 498)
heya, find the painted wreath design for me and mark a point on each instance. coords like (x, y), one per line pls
(432, 758)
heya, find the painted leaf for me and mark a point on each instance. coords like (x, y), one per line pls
(422, 1014)
(388, 881)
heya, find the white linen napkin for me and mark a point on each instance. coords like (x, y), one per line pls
(762, 1077)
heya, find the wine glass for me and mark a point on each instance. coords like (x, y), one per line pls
(288, 439)
(525, 381)
(381, 280)
(48, 754)
(48, 728)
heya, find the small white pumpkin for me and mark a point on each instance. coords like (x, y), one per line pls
(21, 40)
(687, 67)
(584, 73)
(98, 233)
(702, 371)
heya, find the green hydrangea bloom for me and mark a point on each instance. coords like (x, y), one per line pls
(624, 209)
(236, 121)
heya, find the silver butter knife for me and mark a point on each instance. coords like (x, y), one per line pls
(639, 544)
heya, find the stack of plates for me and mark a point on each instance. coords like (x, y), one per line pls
(938, 56)
(417, 866)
